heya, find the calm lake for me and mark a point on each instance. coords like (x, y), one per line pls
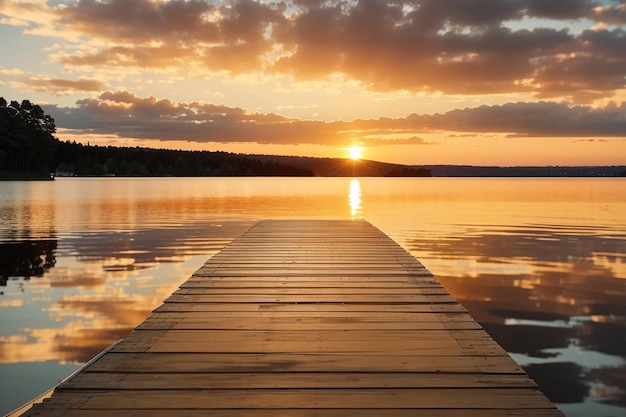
(540, 263)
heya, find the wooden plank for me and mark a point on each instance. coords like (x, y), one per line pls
(315, 325)
(307, 298)
(279, 279)
(456, 398)
(314, 362)
(243, 258)
(271, 258)
(309, 284)
(310, 307)
(429, 348)
(295, 335)
(302, 324)
(443, 343)
(310, 291)
(341, 316)
(300, 380)
(283, 269)
(314, 318)
(357, 412)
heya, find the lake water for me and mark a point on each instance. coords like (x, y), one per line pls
(540, 263)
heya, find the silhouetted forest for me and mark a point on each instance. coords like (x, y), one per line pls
(27, 144)
(28, 148)
(85, 160)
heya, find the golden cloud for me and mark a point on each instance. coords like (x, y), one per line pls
(453, 47)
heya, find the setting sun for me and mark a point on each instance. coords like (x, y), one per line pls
(355, 152)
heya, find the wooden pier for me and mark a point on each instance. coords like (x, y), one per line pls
(305, 318)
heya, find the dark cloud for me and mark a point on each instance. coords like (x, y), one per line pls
(580, 71)
(127, 115)
(611, 15)
(452, 46)
(233, 36)
(531, 119)
(456, 47)
(140, 20)
(559, 9)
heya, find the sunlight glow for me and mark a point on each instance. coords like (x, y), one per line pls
(355, 152)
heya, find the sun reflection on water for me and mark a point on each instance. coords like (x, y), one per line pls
(354, 199)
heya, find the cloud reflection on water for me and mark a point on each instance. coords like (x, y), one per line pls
(552, 296)
(103, 285)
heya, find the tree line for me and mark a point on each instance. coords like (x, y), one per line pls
(86, 160)
(28, 147)
(27, 144)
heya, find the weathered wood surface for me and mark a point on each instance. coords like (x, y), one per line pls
(305, 318)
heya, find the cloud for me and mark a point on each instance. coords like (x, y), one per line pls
(452, 47)
(459, 48)
(557, 9)
(20, 13)
(60, 87)
(10, 72)
(390, 138)
(54, 86)
(596, 68)
(531, 119)
(615, 15)
(144, 33)
(126, 115)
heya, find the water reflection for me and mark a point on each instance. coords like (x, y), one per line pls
(26, 258)
(540, 262)
(552, 296)
(354, 198)
(102, 285)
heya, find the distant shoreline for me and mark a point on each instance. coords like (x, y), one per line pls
(526, 171)
(403, 171)
(24, 177)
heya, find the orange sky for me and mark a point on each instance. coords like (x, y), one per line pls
(485, 82)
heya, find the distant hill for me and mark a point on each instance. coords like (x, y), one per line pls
(339, 167)
(528, 171)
